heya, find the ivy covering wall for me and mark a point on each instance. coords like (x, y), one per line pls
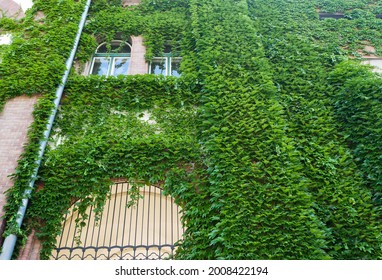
(270, 140)
(33, 65)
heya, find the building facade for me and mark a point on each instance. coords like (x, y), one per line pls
(195, 130)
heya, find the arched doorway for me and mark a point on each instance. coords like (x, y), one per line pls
(147, 230)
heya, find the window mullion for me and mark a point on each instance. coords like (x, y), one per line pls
(168, 66)
(112, 66)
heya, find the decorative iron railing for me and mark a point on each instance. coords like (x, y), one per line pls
(147, 230)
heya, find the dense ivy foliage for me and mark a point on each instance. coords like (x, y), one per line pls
(7, 27)
(358, 106)
(35, 61)
(160, 22)
(300, 67)
(33, 65)
(333, 6)
(270, 140)
(254, 179)
(114, 141)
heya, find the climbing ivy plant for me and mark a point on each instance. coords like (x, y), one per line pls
(270, 140)
(301, 67)
(358, 109)
(33, 65)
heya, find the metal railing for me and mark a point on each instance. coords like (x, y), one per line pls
(147, 230)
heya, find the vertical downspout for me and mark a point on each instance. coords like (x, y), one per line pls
(10, 241)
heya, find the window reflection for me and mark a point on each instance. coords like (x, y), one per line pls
(121, 66)
(175, 65)
(101, 66)
(168, 66)
(158, 66)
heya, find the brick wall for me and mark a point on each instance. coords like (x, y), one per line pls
(15, 119)
(11, 9)
(138, 51)
(31, 250)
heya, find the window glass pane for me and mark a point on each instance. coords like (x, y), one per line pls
(121, 66)
(158, 66)
(167, 49)
(120, 47)
(101, 66)
(102, 49)
(175, 65)
(124, 49)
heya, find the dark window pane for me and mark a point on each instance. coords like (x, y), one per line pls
(175, 65)
(102, 49)
(167, 49)
(124, 49)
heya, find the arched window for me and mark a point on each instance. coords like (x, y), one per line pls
(167, 65)
(111, 59)
(147, 230)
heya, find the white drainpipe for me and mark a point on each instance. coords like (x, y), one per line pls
(10, 240)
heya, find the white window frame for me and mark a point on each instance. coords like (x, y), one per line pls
(168, 63)
(112, 57)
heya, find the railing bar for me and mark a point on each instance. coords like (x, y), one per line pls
(74, 235)
(160, 221)
(70, 228)
(148, 221)
(136, 227)
(107, 219)
(143, 213)
(131, 220)
(112, 220)
(177, 222)
(99, 229)
(155, 214)
(172, 221)
(119, 212)
(80, 230)
(93, 229)
(87, 230)
(165, 222)
(62, 233)
(124, 216)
